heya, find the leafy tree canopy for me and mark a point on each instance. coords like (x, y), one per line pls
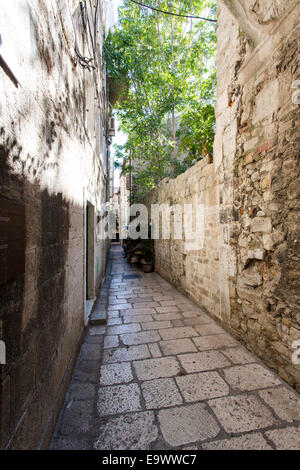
(164, 68)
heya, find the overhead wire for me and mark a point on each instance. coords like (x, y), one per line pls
(173, 13)
(84, 62)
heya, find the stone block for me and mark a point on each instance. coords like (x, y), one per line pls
(111, 342)
(286, 438)
(70, 443)
(86, 371)
(239, 356)
(261, 224)
(242, 413)
(161, 393)
(77, 418)
(251, 277)
(126, 354)
(203, 386)
(90, 352)
(156, 325)
(187, 424)
(285, 403)
(142, 337)
(169, 309)
(204, 361)
(80, 391)
(177, 346)
(122, 329)
(123, 307)
(229, 139)
(138, 311)
(97, 331)
(210, 329)
(253, 441)
(181, 332)
(154, 350)
(114, 321)
(111, 374)
(205, 343)
(98, 317)
(115, 301)
(151, 369)
(118, 399)
(250, 377)
(264, 106)
(145, 304)
(135, 431)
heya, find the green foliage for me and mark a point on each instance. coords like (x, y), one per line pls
(148, 249)
(165, 68)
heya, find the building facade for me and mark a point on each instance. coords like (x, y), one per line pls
(54, 179)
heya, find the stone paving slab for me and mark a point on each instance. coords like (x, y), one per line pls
(154, 350)
(142, 337)
(174, 333)
(111, 374)
(163, 375)
(119, 399)
(242, 413)
(126, 354)
(135, 431)
(177, 346)
(161, 393)
(238, 355)
(250, 377)
(203, 386)
(114, 321)
(138, 311)
(99, 316)
(111, 342)
(284, 402)
(285, 439)
(195, 314)
(156, 368)
(121, 329)
(204, 361)
(137, 318)
(205, 343)
(155, 325)
(187, 424)
(253, 441)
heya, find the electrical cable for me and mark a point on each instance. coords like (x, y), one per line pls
(84, 62)
(93, 45)
(173, 14)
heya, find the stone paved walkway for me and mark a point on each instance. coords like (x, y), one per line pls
(163, 375)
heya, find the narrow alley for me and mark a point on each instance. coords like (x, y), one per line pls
(162, 375)
(172, 128)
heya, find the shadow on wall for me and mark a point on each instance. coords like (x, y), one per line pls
(33, 301)
(41, 301)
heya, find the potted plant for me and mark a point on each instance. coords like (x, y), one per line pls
(147, 261)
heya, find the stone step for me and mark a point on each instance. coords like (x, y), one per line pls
(98, 317)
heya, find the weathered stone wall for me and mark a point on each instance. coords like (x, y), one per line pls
(201, 273)
(51, 165)
(266, 311)
(247, 274)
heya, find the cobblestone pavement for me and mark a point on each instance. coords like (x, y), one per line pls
(163, 375)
